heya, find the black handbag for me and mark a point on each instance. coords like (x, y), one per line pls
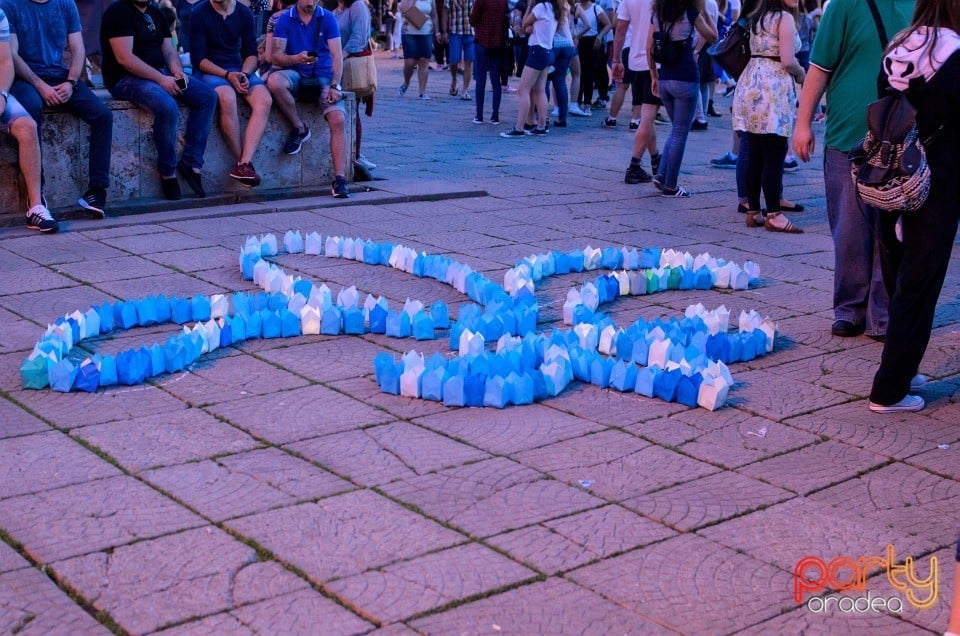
(732, 53)
(309, 90)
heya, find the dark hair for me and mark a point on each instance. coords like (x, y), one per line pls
(765, 8)
(169, 15)
(935, 14)
(671, 11)
(555, 5)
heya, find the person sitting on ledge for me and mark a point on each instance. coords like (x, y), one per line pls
(17, 122)
(141, 66)
(306, 40)
(48, 27)
(224, 56)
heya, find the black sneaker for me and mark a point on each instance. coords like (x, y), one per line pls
(698, 125)
(39, 218)
(636, 174)
(94, 201)
(339, 188)
(171, 188)
(513, 133)
(634, 124)
(608, 122)
(600, 103)
(537, 131)
(528, 127)
(655, 163)
(560, 124)
(495, 120)
(192, 177)
(295, 140)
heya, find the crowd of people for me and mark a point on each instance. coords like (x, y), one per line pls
(43, 60)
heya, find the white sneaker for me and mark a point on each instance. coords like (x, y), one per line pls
(366, 163)
(555, 112)
(576, 111)
(907, 404)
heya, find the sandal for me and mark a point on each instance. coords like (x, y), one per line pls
(453, 87)
(788, 227)
(754, 218)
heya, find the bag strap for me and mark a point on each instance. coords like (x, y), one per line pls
(878, 21)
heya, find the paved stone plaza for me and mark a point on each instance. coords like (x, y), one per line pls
(273, 489)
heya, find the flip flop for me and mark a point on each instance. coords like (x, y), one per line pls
(453, 87)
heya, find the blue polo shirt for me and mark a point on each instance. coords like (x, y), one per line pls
(309, 37)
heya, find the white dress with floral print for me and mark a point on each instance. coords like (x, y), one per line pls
(766, 95)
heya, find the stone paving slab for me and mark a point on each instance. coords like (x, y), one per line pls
(15, 422)
(682, 593)
(46, 461)
(801, 621)
(246, 483)
(814, 467)
(569, 542)
(163, 440)
(554, 606)
(403, 590)
(327, 360)
(290, 416)
(618, 465)
(748, 441)
(707, 500)
(344, 535)
(31, 605)
(96, 515)
(190, 573)
(10, 559)
(73, 410)
(490, 497)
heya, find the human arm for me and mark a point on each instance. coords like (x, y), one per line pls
(619, 37)
(529, 17)
(603, 19)
(122, 48)
(812, 92)
(654, 77)
(280, 57)
(6, 71)
(581, 19)
(787, 32)
(336, 55)
(440, 29)
(705, 27)
(48, 93)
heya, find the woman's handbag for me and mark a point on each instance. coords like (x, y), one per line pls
(733, 52)
(309, 90)
(360, 74)
(413, 15)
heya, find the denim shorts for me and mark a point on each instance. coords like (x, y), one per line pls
(416, 47)
(294, 78)
(460, 43)
(13, 111)
(539, 58)
(215, 81)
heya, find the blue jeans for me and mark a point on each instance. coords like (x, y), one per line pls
(680, 100)
(488, 61)
(859, 293)
(562, 56)
(199, 97)
(88, 107)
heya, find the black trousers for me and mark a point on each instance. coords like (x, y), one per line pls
(913, 272)
(765, 170)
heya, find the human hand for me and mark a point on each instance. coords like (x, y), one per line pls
(49, 94)
(169, 84)
(239, 82)
(617, 71)
(64, 91)
(804, 141)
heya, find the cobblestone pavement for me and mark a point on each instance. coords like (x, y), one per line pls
(274, 489)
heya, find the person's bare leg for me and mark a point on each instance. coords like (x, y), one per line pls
(423, 72)
(260, 102)
(338, 142)
(645, 138)
(527, 80)
(539, 97)
(453, 78)
(574, 78)
(24, 130)
(408, 66)
(283, 98)
(467, 76)
(229, 119)
(616, 102)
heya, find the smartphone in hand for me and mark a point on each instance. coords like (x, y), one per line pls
(181, 83)
(312, 54)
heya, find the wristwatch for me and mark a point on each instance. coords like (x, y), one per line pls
(337, 87)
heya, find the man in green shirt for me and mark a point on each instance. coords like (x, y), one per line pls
(845, 63)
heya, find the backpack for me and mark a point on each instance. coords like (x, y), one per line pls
(889, 166)
(666, 51)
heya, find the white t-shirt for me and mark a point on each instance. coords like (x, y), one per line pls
(638, 13)
(544, 28)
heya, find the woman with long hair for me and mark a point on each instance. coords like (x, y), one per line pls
(353, 18)
(592, 23)
(541, 20)
(417, 43)
(677, 81)
(923, 61)
(764, 108)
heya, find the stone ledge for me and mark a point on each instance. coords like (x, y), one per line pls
(134, 182)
